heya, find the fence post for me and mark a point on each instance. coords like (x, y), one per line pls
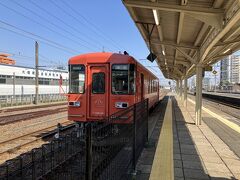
(33, 164)
(134, 138)
(89, 152)
(52, 154)
(7, 171)
(21, 167)
(11, 101)
(147, 117)
(43, 161)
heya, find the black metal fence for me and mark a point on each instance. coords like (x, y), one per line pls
(99, 150)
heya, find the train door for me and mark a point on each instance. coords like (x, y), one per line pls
(142, 87)
(98, 78)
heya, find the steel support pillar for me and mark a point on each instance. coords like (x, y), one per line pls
(181, 90)
(198, 105)
(177, 87)
(185, 92)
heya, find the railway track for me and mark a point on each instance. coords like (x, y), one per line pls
(30, 107)
(16, 144)
(29, 115)
(224, 107)
(222, 103)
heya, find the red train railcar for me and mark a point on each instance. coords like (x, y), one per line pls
(101, 84)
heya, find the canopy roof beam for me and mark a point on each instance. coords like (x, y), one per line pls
(179, 34)
(172, 8)
(228, 42)
(174, 45)
(186, 55)
(233, 15)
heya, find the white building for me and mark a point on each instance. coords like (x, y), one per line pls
(206, 84)
(235, 69)
(230, 70)
(20, 80)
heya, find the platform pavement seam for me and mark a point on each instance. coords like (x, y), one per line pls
(174, 116)
(217, 153)
(149, 135)
(197, 150)
(230, 124)
(145, 161)
(211, 144)
(163, 160)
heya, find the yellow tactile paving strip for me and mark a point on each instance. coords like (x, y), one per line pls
(162, 168)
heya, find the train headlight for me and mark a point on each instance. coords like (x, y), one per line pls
(74, 103)
(121, 105)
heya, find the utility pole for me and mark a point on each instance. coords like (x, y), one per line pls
(215, 83)
(215, 75)
(66, 85)
(14, 84)
(36, 73)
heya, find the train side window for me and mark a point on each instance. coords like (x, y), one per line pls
(123, 79)
(131, 89)
(149, 86)
(150, 82)
(76, 78)
(98, 83)
(154, 85)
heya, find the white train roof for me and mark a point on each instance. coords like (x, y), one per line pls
(30, 72)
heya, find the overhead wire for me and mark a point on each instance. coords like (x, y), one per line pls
(60, 20)
(15, 54)
(94, 27)
(40, 38)
(68, 14)
(53, 24)
(26, 57)
(46, 27)
(92, 24)
(49, 60)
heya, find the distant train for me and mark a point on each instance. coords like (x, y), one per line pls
(20, 80)
(101, 84)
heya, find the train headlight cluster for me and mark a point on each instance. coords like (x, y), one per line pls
(74, 103)
(121, 104)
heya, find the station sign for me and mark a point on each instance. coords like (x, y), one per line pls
(214, 72)
(151, 57)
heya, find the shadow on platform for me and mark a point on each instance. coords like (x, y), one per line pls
(187, 163)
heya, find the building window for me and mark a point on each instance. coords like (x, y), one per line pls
(2, 81)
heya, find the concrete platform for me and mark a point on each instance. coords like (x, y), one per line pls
(178, 149)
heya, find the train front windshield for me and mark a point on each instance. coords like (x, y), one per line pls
(76, 79)
(123, 76)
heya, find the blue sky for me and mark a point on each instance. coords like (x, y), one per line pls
(74, 26)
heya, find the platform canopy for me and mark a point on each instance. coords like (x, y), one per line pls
(186, 33)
